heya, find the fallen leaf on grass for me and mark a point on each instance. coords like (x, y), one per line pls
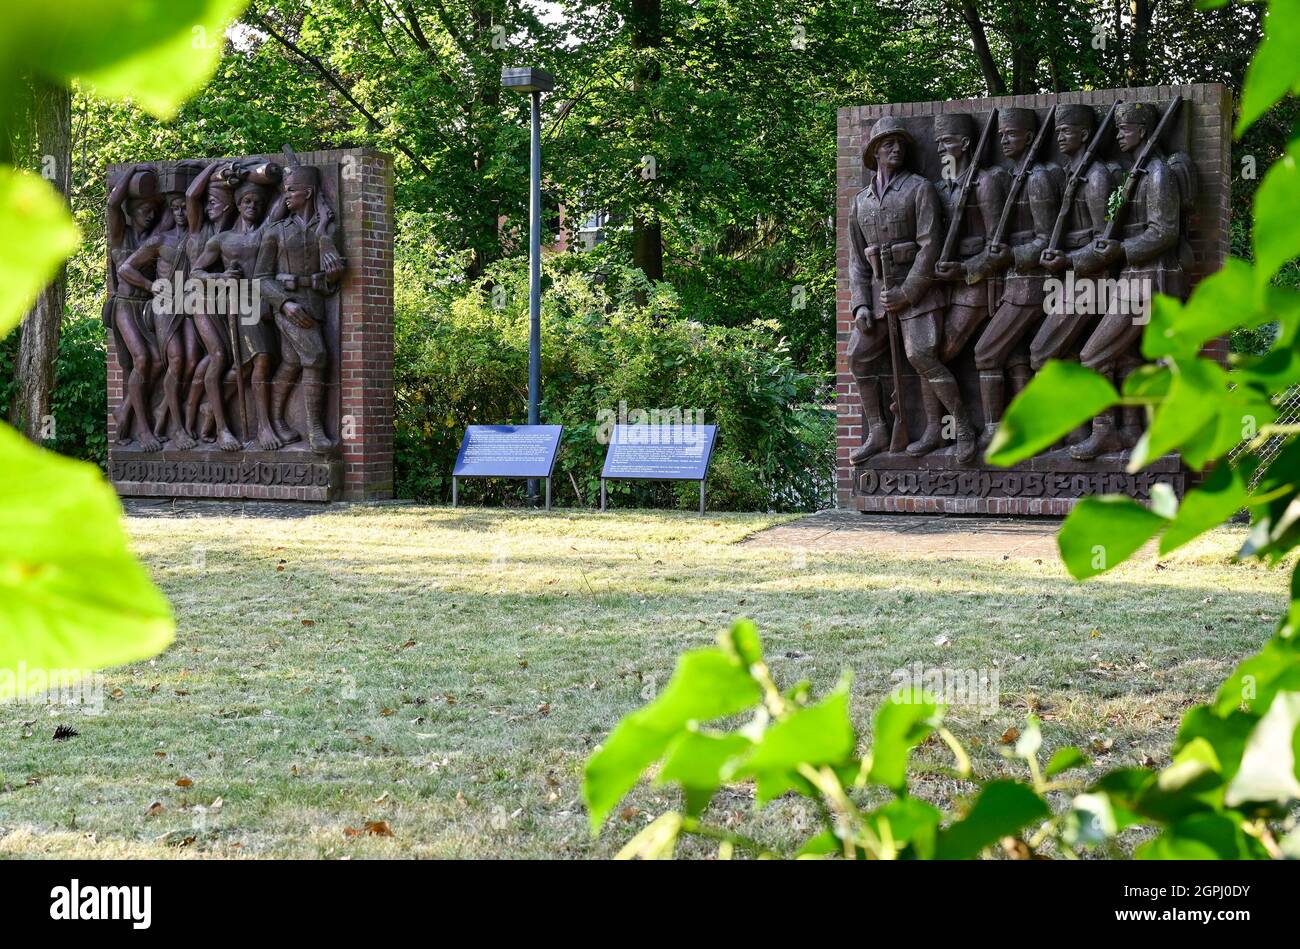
(373, 828)
(1010, 735)
(184, 783)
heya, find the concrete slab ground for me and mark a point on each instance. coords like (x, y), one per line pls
(915, 535)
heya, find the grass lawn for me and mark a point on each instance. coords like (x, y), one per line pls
(448, 672)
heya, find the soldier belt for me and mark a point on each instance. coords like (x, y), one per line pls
(316, 281)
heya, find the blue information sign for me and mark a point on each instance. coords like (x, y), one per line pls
(507, 451)
(659, 453)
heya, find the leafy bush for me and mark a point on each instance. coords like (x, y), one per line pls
(79, 401)
(610, 339)
(1224, 796)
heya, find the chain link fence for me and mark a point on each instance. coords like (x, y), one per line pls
(1288, 413)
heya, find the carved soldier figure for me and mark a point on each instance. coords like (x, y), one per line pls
(1151, 263)
(134, 207)
(1002, 349)
(299, 264)
(1083, 223)
(895, 231)
(235, 253)
(164, 255)
(969, 304)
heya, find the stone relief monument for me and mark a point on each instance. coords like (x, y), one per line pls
(980, 239)
(250, 314)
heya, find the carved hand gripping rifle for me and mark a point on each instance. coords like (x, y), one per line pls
(1138, 170)
(1013, 192)
(963, 196)
(898, 438)
(1075, 178)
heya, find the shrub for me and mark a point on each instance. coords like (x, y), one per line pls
(610, 339)
(79, 402)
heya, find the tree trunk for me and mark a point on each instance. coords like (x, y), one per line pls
(39, 344)
(988, 66)
(647, 235)
(1138, 57)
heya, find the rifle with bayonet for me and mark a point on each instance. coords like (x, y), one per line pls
(898, 438)
(963, 196)
(1076, 176)
(1013, 191)
(1138, 170)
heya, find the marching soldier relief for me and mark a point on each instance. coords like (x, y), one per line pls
(983, 239)
(224, 303)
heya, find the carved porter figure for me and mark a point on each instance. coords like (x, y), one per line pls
(165, 256)
(134, 210)
(1022, 235)
(895, 231)
(229, 257)
(1151, 253)
(299, 265)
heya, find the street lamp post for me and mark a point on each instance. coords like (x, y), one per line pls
(534, 82)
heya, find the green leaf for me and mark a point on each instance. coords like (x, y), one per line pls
(707, 684)
(1206, 507)
(156, 53)
(1207, 836)
(821, 845)
(911, 824)
(1241, 415)
(1103, 532)
(1064, 760)
(1268, 765)
(1255, 682)
(1275, 235)
(72, 597)
(36, 235)
(1059, 398)
(1226, 734)
(816, 735)
(1197, 390)
(695, 760)
(1220, 303)
(906, 719)
(1276, 66)
(1002, 809)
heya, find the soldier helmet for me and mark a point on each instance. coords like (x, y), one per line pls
(1026, 120)
(1136, 113)
(1076, 114)
(954, 123)
(884, 128)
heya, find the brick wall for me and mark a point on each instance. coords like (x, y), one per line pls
(365, 407)
(1204, 130)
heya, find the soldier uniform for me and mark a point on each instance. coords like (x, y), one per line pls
(894, 238)
(970, 305)
(1001, 348)
(291, 269)
(1084, 222)
(1152, 256)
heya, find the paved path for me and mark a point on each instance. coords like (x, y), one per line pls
(915, 534)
